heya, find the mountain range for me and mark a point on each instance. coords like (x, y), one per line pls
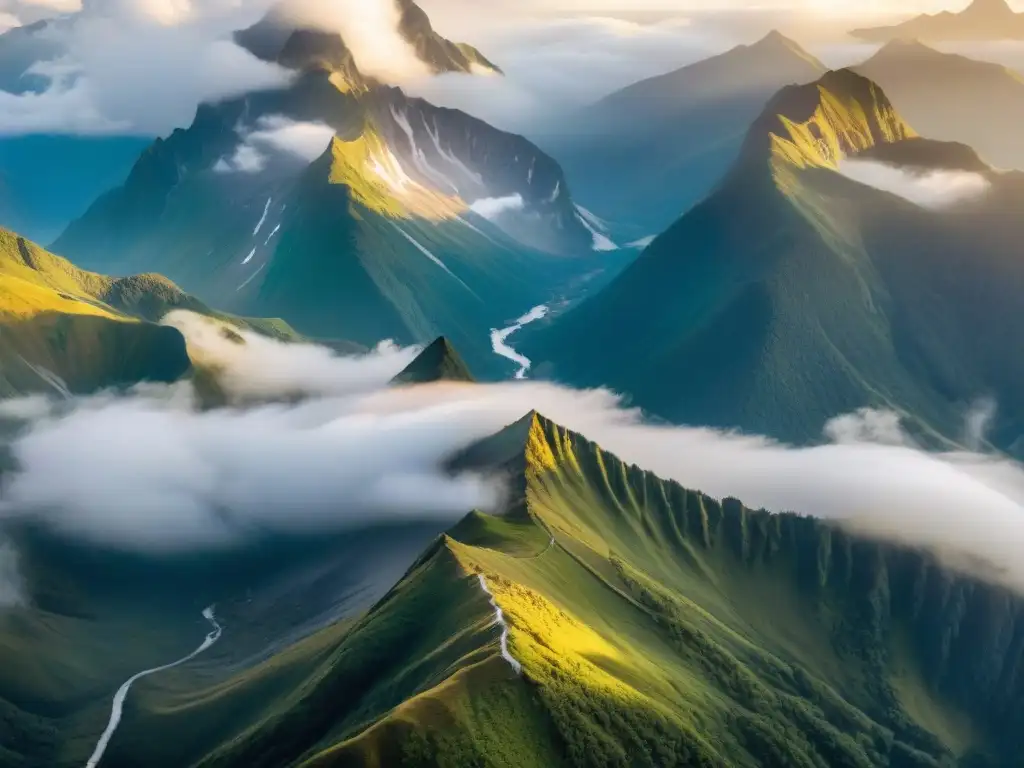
(981, 20)
(829, 241)
(410, 222)
(664, 142)
(943, 94)
(607, 617)
(793, 293)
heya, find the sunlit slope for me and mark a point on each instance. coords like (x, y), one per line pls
(655, 626)
(376, 255)
(792, 294)
(60, 326)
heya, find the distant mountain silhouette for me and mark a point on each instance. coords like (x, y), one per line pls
(981, 20)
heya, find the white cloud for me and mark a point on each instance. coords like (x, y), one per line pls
(139, 67)
(493, 207)
(555, 65)
(307, 140)
(924, 187)
(148, 471)
(370, 30)
(263, 368)
(8, 21)
(276, 134)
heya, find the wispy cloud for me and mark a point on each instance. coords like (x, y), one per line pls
(928, 188)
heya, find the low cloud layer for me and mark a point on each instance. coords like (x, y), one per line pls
(137, 66)
(935, 189)
(370, 30)
(275, 134)
(553, 66)
(148, 471)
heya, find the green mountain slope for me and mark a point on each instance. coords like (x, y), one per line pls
(950, 98)
(438, 362)
(64, 329)
(645, 154)
(793, 294)
(380, 236)
(647, 625)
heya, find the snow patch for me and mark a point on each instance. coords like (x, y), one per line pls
(422, 249)
(601, 241)
(642, 243)
(263, 218)
(492, 207)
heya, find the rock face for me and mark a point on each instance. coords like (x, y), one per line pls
(792, 294)
(445, 224)
(981, 20)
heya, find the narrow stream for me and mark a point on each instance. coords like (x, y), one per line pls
(122, 693)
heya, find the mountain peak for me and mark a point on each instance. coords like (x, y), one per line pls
(816, 124)
(904, 46)
(774, 38)
(438, 362)
(989, 8)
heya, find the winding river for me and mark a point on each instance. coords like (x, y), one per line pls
(500, 336)
(122, 693)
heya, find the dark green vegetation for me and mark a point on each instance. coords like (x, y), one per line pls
(97, 617)
(792, 294)
(647, 153)
(655, 627)
(953, 98)
(438, 362)
(981, 20)
(375, 238)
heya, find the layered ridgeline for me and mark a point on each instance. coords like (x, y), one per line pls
(611, 618)
(646, 153)
(66, 330)
(794, 294)
(347, 208)
(981, 20)
(944, 95)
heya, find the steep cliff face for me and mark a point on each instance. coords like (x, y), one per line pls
(608, 617)
(803, 294)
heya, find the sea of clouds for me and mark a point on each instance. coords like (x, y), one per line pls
(318, 443)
